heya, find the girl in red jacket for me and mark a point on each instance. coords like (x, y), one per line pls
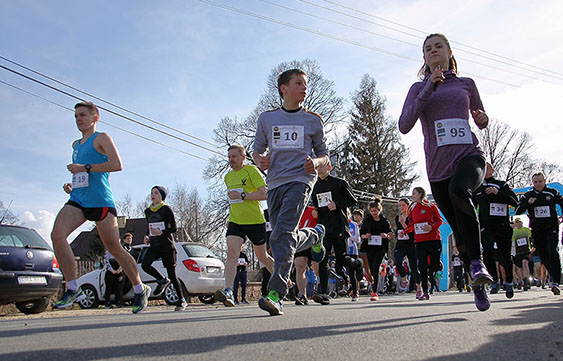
(426, 221)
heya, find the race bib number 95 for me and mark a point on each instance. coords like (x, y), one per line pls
(452, 131)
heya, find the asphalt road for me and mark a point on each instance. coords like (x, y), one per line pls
(448, 327)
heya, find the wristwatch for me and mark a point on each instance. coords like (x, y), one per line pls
(243, 195)
(88, 167)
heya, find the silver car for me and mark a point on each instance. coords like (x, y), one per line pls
(199, 271)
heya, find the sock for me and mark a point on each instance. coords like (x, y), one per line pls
(138, 288)
(72, 285)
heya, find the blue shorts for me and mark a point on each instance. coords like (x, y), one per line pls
(536, 259)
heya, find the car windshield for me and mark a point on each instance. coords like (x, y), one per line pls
(197, 250)
(21, 237)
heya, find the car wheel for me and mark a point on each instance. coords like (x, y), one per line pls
(34, 306)
(207, 299)
(170, 295)
(91, 300)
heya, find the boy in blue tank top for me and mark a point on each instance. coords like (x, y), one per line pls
(94, 156)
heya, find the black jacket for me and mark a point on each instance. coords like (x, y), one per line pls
(164, 214)
(505, 197)
(335, 222)
(545, 201)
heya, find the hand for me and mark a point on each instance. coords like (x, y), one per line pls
(156, 232)
(390, 235)
(76, 168)
(491, 190)
(383, 235)
(437, 77)
(366, 236)
(332, 206)
(481, 118)
(427, 228)
(533, 249)
(310, 165)
(401, 233)
(234, 195)
(532, 200)
(67, 187)
(146, 240)
(264, 162)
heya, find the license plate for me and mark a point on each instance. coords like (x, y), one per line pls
(211, 269)
(32, 280)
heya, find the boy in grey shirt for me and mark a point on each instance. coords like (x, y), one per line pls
(295, 143)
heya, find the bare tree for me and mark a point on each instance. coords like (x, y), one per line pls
(6, 216)
(126, 208)
(553, 172)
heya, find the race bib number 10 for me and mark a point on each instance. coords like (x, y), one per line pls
(288, 136)
(452, 131)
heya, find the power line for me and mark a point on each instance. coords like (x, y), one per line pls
(111, 111)
(426, 33)
(334, 37)
(107, 102)
(104, 122)
(408, 43)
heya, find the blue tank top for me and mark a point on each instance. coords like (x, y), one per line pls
(98, 193)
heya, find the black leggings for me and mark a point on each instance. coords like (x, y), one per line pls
(355, 271)
(502, 235)
(168, 261)
(546, 245)
(402, 249)
(375, 256)
(339, 245)
(453, 197)
(423, 250)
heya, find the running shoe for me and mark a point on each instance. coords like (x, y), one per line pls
(226, 297)
(494, 288)
(374, 297)
(107, 305)
(555, 289)
(425, 297)
(244, 302)
(355, 297)
(181, 306)
(69, 298)
(509, 290)
(271, 303)
(141, 300)
(301, 300)
(321, 298)
(318, 251)
(479, 273)
(418, 295)
(481, 299)
(160, 286)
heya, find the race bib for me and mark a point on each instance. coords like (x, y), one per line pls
(402, 236)
(80, 180)
(156, 225)
(452, 131)
(419, 228)
(324, 199)
(268, 227)
(542, 212)
(522, 242)
(498, 209)
(375, 241)
(457, 262)
(233, 201)
(241, 261)
(288, 136)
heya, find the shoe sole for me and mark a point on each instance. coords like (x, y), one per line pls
(482, 280)
(267, 305)
(556, 291)
(219, 296)
(77, 299)
(157, 294)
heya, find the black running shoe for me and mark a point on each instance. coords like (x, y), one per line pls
(321, 298)
(160, 287)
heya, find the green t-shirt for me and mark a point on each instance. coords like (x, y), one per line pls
(522, 240)
(246, 180)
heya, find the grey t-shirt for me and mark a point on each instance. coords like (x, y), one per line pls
(290, 137)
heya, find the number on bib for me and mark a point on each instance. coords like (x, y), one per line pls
(375, 241)
(522, 242)
(452, 131)
(498, 209)
(542, 212)
(288, 136)
(80, 180)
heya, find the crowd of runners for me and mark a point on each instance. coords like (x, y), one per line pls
(315, 227)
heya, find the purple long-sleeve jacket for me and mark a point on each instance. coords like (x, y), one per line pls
(453, 99)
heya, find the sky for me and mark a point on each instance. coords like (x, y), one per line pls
(189, 63)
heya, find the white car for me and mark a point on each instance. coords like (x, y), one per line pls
(199, 271)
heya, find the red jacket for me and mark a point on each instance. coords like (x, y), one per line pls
(421, 214)
(307, 219)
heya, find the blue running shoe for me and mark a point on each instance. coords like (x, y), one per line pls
(69, 298)
(141, 300)
(226, 297)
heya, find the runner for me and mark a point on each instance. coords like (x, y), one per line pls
(358, 216)
(405, 247)
(354, 264)
(331, 197)
(425, 223)
(494, 197)
(94, 156)
(540, 203)
(457, 268)
(161, 226)
(522, 240)
(455, 163)
(296, 145)
(375, 232)
(246, 188)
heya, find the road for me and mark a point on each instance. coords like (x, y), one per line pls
(448, 327)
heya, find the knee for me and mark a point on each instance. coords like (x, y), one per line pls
(232, 253)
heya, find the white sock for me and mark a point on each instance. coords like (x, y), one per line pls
(72, 285)
(138, 288)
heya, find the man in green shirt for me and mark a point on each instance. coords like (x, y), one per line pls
(246, 188)
(522, 239)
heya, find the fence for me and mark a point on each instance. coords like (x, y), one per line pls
(83, 267)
